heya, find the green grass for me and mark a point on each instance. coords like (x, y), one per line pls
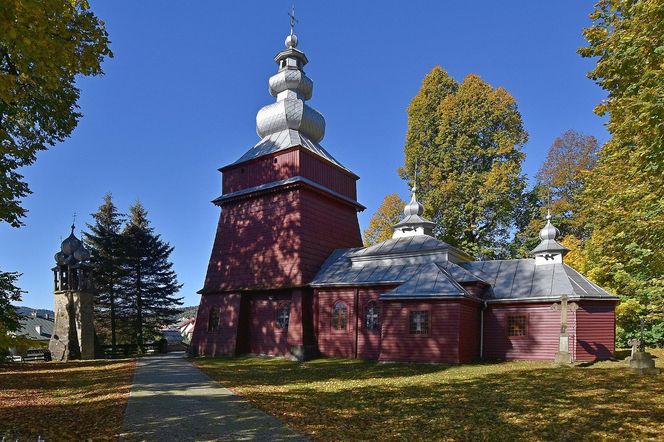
(336, 399)
(79, 400)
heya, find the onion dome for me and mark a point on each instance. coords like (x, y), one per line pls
(72, 250)
(548, 236)
(292, 88)
(413, 223)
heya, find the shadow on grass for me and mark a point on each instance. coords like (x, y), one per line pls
(342, 400)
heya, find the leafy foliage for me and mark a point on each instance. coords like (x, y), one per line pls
(468, 155)
(333, 399)
(43, 46)
(388, 214)
(150, 283)
(624, 197)
(560, 180)
(9, 292)
(80, 400)
(107, 252)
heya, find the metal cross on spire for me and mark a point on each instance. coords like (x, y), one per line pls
(415, 179)
(293, 20)
(73, 223)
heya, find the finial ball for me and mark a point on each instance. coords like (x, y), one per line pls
(291, 41)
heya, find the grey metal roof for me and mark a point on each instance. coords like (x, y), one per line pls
(433, 276)
(522, 279)
(429, 281)
(402, 245)
(29, 326)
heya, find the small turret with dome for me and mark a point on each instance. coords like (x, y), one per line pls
(72, 270)
(413, 223)
(549, 251)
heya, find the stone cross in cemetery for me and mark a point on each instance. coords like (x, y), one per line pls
(641, 361)
(563, 356)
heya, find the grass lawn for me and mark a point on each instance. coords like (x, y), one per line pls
(336, 399)
(75, 401)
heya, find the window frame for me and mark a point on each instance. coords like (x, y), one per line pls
(332, 317)
(214, 328)
(377, 325)
(280, 306)
(510, 318)
(426, 332)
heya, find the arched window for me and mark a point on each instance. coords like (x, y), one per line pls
(371, 316)
(213, 319)
(339, 316)
(283, 315)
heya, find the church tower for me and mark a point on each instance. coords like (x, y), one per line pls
(286, 204)
(73, 331)
(549, 251)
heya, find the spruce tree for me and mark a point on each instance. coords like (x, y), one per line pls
(106, 250)
(150, 282)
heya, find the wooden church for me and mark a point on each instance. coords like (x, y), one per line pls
(288, 274)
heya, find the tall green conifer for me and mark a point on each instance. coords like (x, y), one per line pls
(107, 257)
(150, 282)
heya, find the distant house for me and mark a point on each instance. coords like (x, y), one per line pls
(36, 327)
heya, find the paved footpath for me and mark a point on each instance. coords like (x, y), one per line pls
(171, 400)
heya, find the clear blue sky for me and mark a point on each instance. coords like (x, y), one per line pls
(180, 97)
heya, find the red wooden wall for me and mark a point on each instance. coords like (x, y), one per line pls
(595, 330)
(263, 335)
(469, 331)
(222, 341)
(541, 340)
(440, 345)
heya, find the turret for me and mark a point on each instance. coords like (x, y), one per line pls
(413, 223)
(549, 251)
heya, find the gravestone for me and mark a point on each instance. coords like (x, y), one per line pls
(640, 360)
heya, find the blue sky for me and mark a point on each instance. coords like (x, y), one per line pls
(180, 97)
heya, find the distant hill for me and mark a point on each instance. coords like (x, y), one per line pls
(188, 312)
(27, 311)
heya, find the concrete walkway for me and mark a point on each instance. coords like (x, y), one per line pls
(171, 400)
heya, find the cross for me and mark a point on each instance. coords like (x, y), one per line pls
(642, 342)
(283, 316)
(73, 223)
(293, 20)
(419, 322)
(372, 317)
(563, 306)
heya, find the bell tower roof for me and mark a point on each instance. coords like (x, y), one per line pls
(72, 251)
(290, 121)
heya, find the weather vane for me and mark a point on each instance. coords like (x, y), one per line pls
(293, 20)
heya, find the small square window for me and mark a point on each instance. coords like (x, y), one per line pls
(419, 323)
(516, 326)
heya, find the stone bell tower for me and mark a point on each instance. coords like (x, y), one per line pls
(73, 331)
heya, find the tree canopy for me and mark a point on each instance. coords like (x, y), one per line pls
(43, 46)
(624, 197)
(466, 140)
(388, 214)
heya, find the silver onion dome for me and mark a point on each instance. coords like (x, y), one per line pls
(549, 232)
(292, 88)
(548, 235)
(413, 223)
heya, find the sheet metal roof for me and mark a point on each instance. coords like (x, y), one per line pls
(434, 276)
(29, 326)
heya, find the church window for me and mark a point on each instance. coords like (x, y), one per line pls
(371, 317)
(275, 161)
(419, 323)
(339, 316)
(516, 325)
(283, 316)
(213, 319)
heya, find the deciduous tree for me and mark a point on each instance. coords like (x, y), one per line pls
(470, 163)
(388, 214)
(624, 196)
